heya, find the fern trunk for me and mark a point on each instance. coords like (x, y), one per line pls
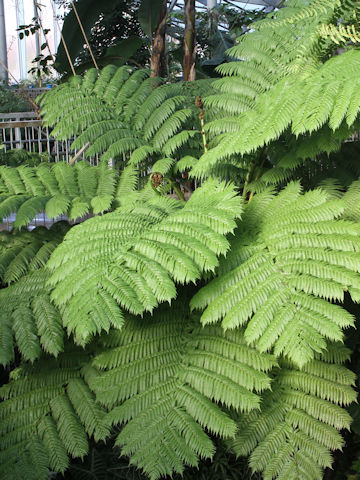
(158, 59)
(189, 41)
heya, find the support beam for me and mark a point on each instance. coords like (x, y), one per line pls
(37, 34)
(55, 28)
(20, 20)
(3, 47)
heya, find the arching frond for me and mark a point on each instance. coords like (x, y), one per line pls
(60, 190)
(27, 313)
(143, 235)
(47, 414)
(303, 258)
(165, 376)
(299, 422)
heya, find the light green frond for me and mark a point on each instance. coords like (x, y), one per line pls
(66, 179)
(32, 184)
(91, 415)
(48, 323)
(283, 291)
(129, 88)
(44, 409)
(89, 80)
(127, 183)
(170, 127)
(6, 339)
(164, 376)
(70, 430)
(11, 204)
(153, 102)
(161, 114)
(26, 303)
(57, 205)
(12, 180)
(25, 333)
(299, 421)
(58, 459)
(178, 140)
(112, 88)
(145, 232)
(28, 210)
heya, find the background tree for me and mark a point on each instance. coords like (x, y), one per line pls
(189, 40)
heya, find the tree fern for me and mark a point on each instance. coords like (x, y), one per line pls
(142, 115)
(269, 378)
(164, 376)
(289, 260)
(296, 97)
(300, 419)
(60, 190)
(40, 425)
(27, 313)
(135, 255)
(21, 253)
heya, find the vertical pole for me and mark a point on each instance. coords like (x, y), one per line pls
(37, 39)
(3, 48)
(189, 41)
(55, 28)
(18, 139)
(211, 6)
(20, 20)
(37, 35)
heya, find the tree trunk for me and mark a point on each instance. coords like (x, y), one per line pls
(157, 60)
(189, 41)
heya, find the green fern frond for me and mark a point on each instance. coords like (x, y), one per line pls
(129, 88)
(282, 291)
(34, 320)
(103, 80)
(93, 132)
(32, 184)
(6, 339)
(12, 180)
(10, 204)
(28, 312)
(153, 102)
(28, 210)
(116, 82)
(69, 190)
(179, 372)
(57, 205)
(144, 231)
(39, 413)
(341, 33)
(89, 79)
(178, 140)
(70, 430)
(132, 116)
(48, 180)
(66, 179)
(48, 324)
(87, 179)
(299, 420)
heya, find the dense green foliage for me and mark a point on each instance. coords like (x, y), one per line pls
(57, 190)
(218, 319)
(11, 101)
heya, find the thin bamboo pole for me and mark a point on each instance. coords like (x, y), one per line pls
(84, 35)
(63, 40)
